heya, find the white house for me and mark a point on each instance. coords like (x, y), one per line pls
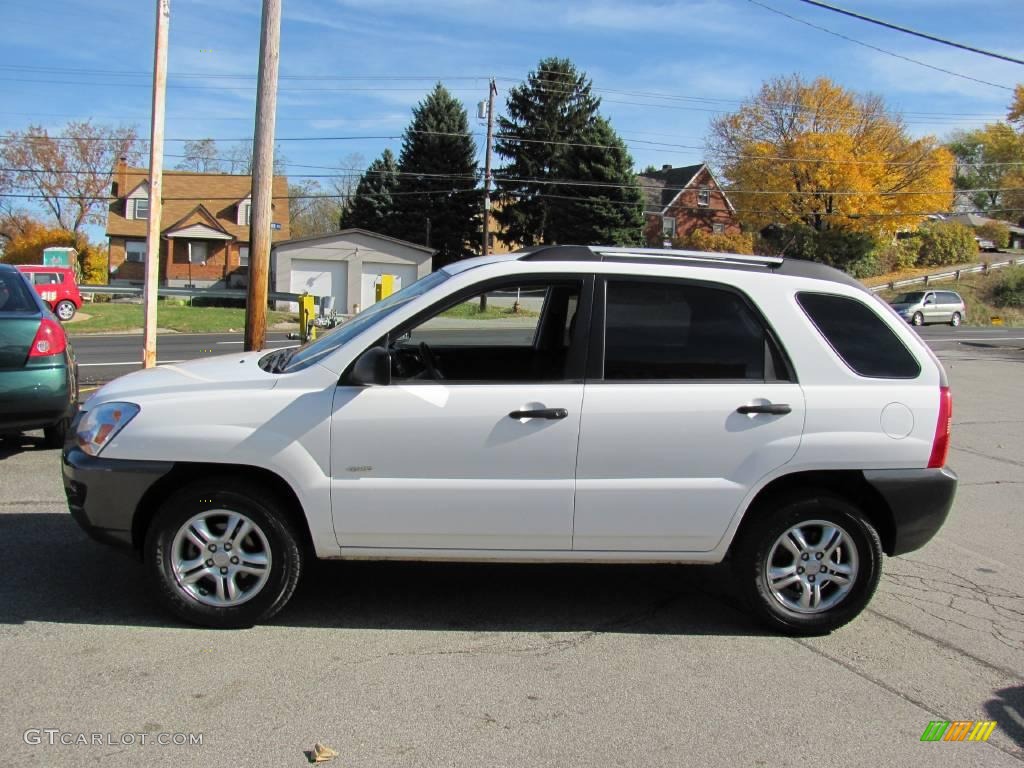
(346, 265)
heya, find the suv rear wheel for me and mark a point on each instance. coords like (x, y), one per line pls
(955, 320)
(809, 564)
(223, 554)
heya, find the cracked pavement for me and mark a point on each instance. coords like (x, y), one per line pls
(408, 664)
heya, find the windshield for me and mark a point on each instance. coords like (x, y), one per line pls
(909, 298)
(332, 340)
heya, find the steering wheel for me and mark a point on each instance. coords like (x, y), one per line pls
(430, 362)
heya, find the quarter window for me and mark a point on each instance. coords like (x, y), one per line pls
(669, 330)
(859, 336)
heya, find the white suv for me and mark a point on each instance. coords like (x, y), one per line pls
(562, 403)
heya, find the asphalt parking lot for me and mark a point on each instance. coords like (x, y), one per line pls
(424, 665)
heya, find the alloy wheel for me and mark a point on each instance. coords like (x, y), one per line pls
(812, 566)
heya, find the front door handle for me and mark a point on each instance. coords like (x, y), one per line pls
(540, 413)
(775, 409)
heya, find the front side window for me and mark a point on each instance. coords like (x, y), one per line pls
(135, 251)
(516, 332)
(681, 331)
(45, 278)
(859, 336)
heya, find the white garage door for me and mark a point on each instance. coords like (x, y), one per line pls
(321, 278)
(405, 275)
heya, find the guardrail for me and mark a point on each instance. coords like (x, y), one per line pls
(950, 275)
(213, 293)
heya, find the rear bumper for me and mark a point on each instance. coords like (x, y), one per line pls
(33, 397)
(920, 500)
(103, 494)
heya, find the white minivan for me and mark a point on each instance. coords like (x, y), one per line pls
(561, 403)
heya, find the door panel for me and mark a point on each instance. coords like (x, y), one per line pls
(665, 466)
(444, 466)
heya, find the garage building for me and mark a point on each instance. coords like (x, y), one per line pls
(346, 265)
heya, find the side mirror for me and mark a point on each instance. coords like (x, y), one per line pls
(371, 369)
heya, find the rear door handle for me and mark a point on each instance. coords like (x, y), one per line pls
(540, 413)
(775, 409)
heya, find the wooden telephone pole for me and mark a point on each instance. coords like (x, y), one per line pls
(493, 89)
(263, 177)
(156, 183)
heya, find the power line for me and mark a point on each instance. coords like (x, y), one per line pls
(876, 48)
(914, 32)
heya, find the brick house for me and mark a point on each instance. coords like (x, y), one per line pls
(205, 227)
(678, 201)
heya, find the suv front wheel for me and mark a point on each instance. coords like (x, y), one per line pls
(222, 553)
(809, 564)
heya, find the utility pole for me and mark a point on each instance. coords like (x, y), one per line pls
(492, 90)
(156, 183)
(263, 177)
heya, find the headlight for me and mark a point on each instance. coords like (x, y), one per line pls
(98, 426)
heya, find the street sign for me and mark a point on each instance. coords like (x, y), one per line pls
(58, 256)
(274, 225)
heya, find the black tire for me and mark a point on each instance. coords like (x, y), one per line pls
(54, 435)
(956, 319)
(263, 508)
(760, 535)
(65, 310)
(917, 319)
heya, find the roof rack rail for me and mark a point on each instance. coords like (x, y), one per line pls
(673, 253)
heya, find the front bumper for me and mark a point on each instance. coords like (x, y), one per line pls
(920, 500)
(104, 494)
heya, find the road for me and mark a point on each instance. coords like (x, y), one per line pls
(493, 665)
(105, 357)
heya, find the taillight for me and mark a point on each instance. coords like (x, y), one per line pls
(940, 445)
(49, 340)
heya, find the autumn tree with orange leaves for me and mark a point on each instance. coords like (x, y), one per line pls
(816, 153)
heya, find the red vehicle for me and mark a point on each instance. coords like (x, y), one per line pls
(57, 287)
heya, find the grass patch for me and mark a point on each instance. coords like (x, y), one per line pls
(471, 311)
(980, 293)
(111, 318)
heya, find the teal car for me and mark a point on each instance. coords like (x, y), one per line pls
(38, 373)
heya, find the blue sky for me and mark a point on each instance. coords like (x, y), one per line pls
(64, 60)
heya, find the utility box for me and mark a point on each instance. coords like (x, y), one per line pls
(385, 286)
(307, 313)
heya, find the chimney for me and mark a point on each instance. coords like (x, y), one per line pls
(120, 186)
(667, 167)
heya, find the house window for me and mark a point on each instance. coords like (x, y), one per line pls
(668, 226)
(197, 252)
(243, 255)
(244, 213)
(704, 197)
(135, 251)
(718, 228)
(141, 208)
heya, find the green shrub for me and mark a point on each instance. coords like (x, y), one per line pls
(996, 231)
(848, 250)
(946, 242)
(1008, 289)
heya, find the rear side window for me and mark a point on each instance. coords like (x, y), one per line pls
(15, 295)
(948, 297)
(859, 336)
(668, 330)
(45, 278)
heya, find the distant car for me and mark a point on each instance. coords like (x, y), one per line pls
(985, 245)
(923, 307)
(38, 375)
(57, 287)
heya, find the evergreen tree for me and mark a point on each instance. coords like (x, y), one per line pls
(607, 205)
(550, 118)
(372, 204)
(437, 203)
